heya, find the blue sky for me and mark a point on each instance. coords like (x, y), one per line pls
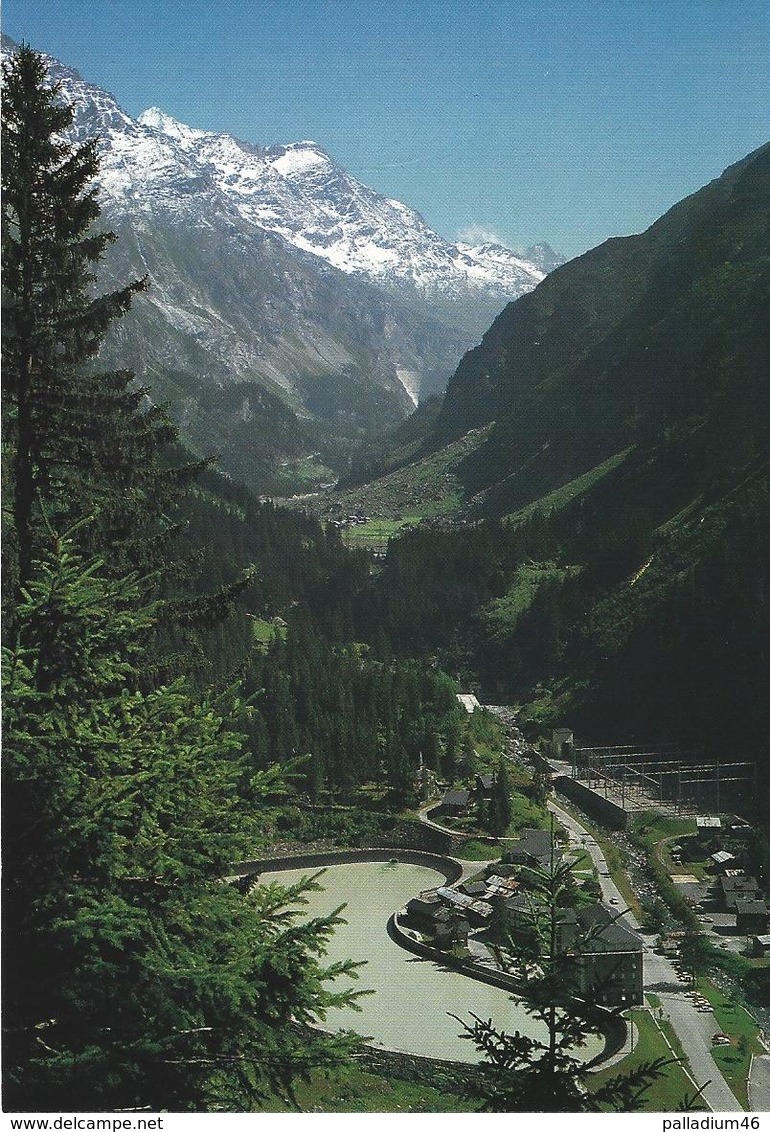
(560, 120)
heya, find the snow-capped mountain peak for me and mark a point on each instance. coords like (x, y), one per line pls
(156, 119)
(298, 159)
(274, 265)
(500, 261)
(297, 191)
(492, 252)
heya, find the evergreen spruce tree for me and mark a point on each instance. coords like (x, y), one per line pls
(133, 976)
(73, 430)
(519, 1073)
(500, 809)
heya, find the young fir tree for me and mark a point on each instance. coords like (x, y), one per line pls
(133, 976)
(500, 809)
(520, 1073)
(74, 431)
(80, 440)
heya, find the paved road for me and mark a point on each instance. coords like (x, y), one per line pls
(425, 809)
(693, 1028)
(759, 1084)
(423, 812)
(470, 868)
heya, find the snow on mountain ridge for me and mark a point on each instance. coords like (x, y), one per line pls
(499, 262)
(299, 192)
(298, 158)
(156, 119)
(296, 191)
(96, 110)
(173, 190)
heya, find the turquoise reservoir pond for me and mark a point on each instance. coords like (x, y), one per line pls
(413, 997)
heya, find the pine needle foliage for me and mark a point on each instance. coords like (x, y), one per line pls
(84, 439)
(135, 974)
(523, 1073)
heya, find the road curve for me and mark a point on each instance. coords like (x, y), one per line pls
(693, 1028)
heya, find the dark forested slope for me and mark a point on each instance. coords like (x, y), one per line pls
(626, 588)
(631, 342)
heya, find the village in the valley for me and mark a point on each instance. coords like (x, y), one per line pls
(491, 911)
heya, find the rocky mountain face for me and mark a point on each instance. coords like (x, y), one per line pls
(292, 310)
(659, 337)
(298, 192)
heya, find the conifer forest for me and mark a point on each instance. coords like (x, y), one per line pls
(197, 674)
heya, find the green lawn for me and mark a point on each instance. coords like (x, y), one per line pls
(501, 614)
(734, 1061)
(353, 1089)
(475, 850)
(264, 631)
(667, 1092)
(376, 531)
(661, 826)
(526, 814)
(582, 861)
(660, 833)
(487, 735)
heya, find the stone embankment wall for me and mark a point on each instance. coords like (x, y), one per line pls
(413, 834)
(615, 1033)
(464, 965)
(448, 1076)
(406, 833)
(453, 842)
(450, 870)
(591, 801)
(412, 1067)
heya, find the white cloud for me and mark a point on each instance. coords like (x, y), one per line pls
(479, 234)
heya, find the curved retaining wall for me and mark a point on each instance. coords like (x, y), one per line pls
(612, 1025)
(464, 966)
(450, 870)
(615, 1030)
(448, 1076)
